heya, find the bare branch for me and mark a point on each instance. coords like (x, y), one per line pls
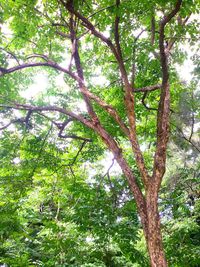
(62, 34)
(148, 88)
(62, 126)
(144, 104)
(186, 138)
(79, 151)
(38, 56)
(11, 54)
(7, 125)
(73, 136)
(193, 118)
(38, 64)
(19, 120)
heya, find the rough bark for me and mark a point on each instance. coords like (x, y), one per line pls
(154, 236)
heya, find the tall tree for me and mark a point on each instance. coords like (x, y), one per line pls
(104, 40)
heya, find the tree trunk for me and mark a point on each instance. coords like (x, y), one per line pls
(153, 235)
(148, 211)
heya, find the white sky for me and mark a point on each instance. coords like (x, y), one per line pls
(39, 86)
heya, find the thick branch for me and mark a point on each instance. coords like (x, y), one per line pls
(164, 104)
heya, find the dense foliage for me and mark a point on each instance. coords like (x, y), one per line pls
(63, 199)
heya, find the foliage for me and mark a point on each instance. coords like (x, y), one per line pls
(63, 199)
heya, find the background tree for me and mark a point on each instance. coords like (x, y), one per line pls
(137, 68)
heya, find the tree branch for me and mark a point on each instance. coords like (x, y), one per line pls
(50, 108)
(144, 104)
(86, 23)
(54, 65)
(11, 54)
(117, 39)
(186, 138)
(147, 88)
(87, 94)
(153, 29)
(129, 98)
(164, 104)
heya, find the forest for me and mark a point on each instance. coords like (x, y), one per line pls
(99, 133)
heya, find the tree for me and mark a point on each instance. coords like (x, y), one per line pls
(139, 70)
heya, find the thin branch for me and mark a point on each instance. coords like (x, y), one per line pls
(50, 108)
(7, 125)
(109, 180)
(11, 54)
(79, 151)
(133, 70)
(61, 128)
(153, 30)
(175, 38)
(144, 104)
(40, 151)
(193, 118)
(83, 34)
(19, 120)
(91, 27)
(186, 138)
(100, 10)
(38, 56)
(149, 88)
(73, 136)
(62, 34)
